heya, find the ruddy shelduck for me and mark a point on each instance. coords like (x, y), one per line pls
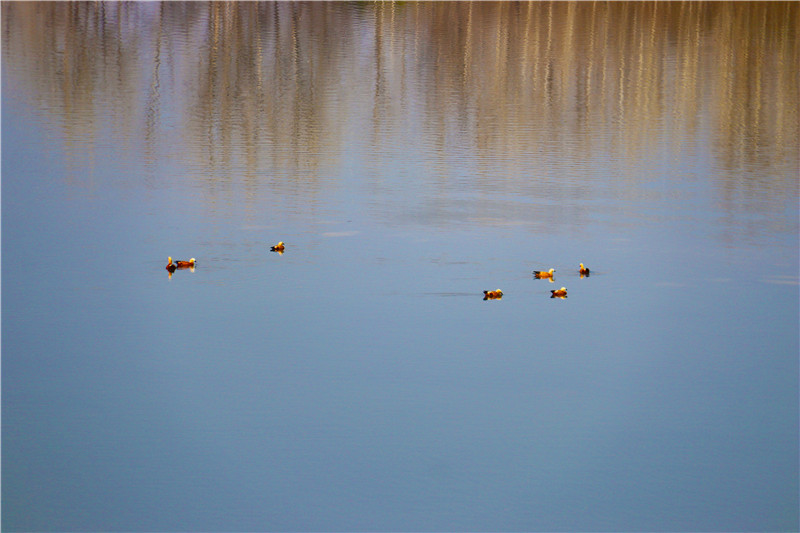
(559, 293)
(492, 295)
(170, 265)
(543, 274)
(583, 270)
(278, 247)
(186, 264)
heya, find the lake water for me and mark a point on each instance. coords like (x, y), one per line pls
(411, 156)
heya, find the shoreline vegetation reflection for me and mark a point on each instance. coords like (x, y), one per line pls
(278, 93)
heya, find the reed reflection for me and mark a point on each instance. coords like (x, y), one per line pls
(278, 93)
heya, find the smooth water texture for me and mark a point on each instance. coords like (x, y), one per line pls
(411, 156)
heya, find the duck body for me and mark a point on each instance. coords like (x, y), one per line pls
(559, 293)
(278, 247)
(583, 270)
(492, 295)
(186, 264)
(170, 265)
(544, 274)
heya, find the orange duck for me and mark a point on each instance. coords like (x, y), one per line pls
(544, 274)
(186, 264)
(492, 295)
(170, 265)
(278, 247)
(559, 293)
(583, 270)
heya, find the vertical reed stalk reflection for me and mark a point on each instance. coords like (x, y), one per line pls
(269, 86)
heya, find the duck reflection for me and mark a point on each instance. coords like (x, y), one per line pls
(493, 295)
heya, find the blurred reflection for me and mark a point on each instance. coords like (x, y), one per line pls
(276, 95)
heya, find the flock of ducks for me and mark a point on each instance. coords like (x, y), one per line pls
(487, 295)
(540, 274)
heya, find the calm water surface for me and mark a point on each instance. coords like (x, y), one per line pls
(410, 156)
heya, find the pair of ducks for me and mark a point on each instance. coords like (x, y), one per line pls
(171, 267)
(544, 274)
(498, 294)
(539, 274)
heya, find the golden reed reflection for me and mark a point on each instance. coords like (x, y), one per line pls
(268, 87)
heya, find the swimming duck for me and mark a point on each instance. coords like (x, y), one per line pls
(559, 293)
(186, 264)
(583, 270)
(544, 274)
(492, 295)
(170, 265)
(278, 247)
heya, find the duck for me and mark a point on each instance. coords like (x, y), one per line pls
(278, 247)
(583, 270)
(492, 295)
(186, 264)
(559, 293)
(170, 265)
(544, 274)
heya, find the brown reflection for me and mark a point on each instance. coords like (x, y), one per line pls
(277, 92)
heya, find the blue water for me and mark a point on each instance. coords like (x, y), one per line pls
(359, 381)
